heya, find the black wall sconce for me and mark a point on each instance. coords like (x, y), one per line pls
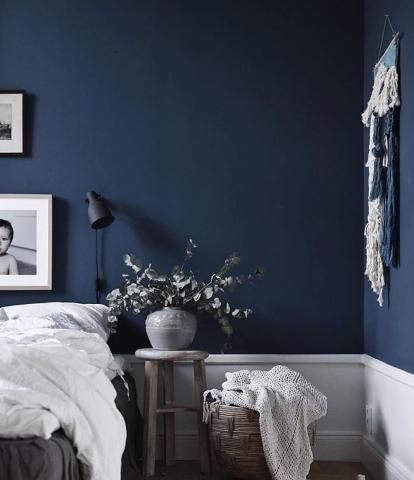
(99, 217)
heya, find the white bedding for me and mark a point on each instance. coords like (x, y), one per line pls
(88, 317)
(54, 378)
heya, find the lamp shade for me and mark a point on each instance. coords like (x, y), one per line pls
(99, 214)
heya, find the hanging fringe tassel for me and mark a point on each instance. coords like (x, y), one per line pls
(377, 180)
(377, 152)
(376, 90)
(374, 228)
(384, 94)
(388, 98)
(389, 248)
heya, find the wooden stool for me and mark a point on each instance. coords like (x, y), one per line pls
(152, 358)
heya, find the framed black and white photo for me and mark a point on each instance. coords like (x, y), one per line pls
(25, 242)
(12, 122)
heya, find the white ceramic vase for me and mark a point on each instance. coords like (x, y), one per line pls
(171, 328)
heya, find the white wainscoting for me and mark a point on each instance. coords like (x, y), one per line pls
(388, 450)
(350, 382)
(339, 377)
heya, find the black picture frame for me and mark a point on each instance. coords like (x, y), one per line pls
(15, 146)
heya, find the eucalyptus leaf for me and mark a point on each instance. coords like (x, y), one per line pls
(181, 285)
(113, 295)
(208, 292)
(133, 262)
(216, 303)
(152, 274)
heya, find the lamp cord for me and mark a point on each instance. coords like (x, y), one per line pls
(98, 280)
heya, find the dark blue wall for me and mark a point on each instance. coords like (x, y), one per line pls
(389, 331)
(233, 122)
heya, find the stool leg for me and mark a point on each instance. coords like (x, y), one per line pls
(199, 388)
(150, 416)
(169, 420)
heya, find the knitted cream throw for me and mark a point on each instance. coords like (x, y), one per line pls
(287, 404)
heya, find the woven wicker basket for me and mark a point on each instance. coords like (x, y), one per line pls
(237, 443)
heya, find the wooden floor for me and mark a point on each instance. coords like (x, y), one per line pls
(319, 471)
(337, 471)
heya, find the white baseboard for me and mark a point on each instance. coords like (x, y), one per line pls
(338, 446)
(380, 464)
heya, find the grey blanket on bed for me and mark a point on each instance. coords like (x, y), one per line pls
(55, 459)
(38, 458)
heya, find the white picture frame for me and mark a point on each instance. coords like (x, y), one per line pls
(25, 242)
(12, 123)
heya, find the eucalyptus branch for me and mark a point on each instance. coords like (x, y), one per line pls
(153, 290)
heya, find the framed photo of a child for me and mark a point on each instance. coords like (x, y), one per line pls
(12, 122)
(25, 242)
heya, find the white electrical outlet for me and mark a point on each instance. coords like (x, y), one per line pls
(368, 419)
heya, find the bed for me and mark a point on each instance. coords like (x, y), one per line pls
(55, 459)
(36, 458)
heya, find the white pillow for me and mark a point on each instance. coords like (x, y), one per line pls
(88, 317)
(3, 315)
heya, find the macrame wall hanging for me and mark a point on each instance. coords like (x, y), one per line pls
(381, 117)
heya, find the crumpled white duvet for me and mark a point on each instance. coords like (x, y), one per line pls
(54, 378)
